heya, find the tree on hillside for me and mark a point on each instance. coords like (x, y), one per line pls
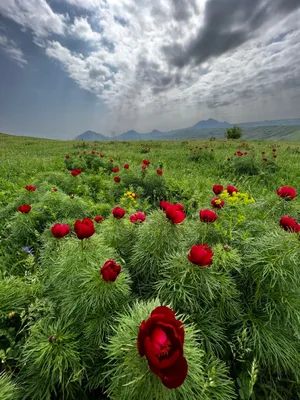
(234, 133)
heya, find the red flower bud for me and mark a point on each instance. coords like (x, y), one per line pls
(217, 203)
(118, 212)
(287, 192)
(218, 189)
(25, 209)
(110, 271)
(231, 189)
(84, 229)
(201, 255)
(99, 218)
(208, 216)
(30, 188)
(60, 230)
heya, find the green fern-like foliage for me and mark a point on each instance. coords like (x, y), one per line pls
(86, 299)
(270, 281)
(51, 362)
(8, 389)
(129, 374)
(120, 234)
(155, 239)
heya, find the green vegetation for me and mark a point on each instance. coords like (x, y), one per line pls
(67, 332)
(234, 133)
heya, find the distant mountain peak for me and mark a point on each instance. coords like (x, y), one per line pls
(210, 123)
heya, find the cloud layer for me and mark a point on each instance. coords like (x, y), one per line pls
(171, 57)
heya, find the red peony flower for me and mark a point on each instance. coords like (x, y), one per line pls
(263, 152)
(275, 155)
(218, 189)
(111, 160)
(30, 188)
(289, 224)
(265, 159)
(274, 150)
(287, 192)
(228, 159)
(60, 230)
(54, 190)
(101, 155)
(146, 162)
(159, 172)
(208, 216)
(160, 340)
(76, 172)
(231, 189)
(217, 203)
(126, 166)
(24, 209)
(115, 169)
(117, 179)
(67, 156)
(99, 218)
(84, 229)
(201, 255)
(118, 212)
(138, 217)
(245, 153)
(93, 152)
(144, 166)
(175, 213)
(110, 271)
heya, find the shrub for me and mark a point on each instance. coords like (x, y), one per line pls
(234, 133)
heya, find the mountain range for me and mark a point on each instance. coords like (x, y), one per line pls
(202, 129)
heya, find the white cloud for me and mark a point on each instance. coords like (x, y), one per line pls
(36, 15)
(125, 64)
(12, 50)
(82, 30)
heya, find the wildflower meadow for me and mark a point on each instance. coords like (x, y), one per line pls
(156, 271)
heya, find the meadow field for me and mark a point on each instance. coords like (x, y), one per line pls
(149, 270)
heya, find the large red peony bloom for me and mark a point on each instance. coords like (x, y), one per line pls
(60, 230)
(201, 255)
(84, 229)
(175, 213)
(115, 169)
(110, 271)
(218, 189)
(138, 217)
(159, 172)
(146, 162)
(217, 203)
(287, 192)
(117, 179)
(208, 216)
(160, 340)
(289, 224)
(118, 212)
(30, 188)
(24, 209)
(231, 189)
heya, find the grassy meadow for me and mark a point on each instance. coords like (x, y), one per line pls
(72, 329)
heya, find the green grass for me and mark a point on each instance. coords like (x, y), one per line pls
(67, 334)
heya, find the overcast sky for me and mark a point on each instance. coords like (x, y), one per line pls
(67, 66)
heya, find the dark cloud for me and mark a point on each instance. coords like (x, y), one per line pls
(184, 9)
(227, 25)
